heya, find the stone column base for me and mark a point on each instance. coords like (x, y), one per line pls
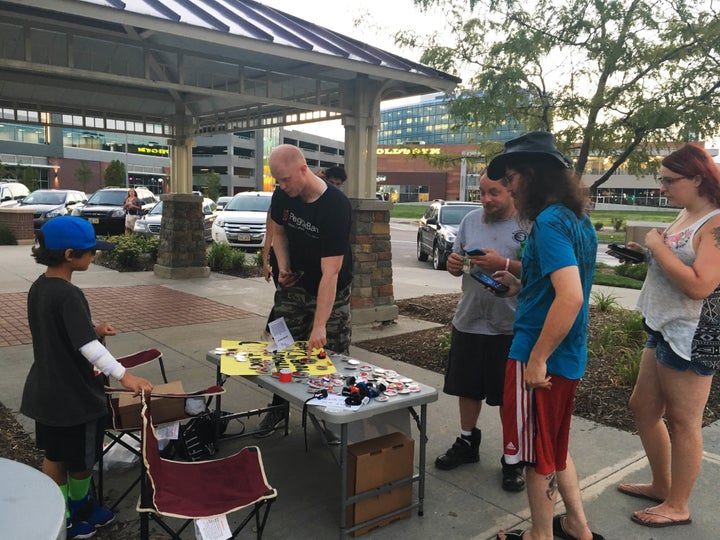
(181, 272)
(374, 314)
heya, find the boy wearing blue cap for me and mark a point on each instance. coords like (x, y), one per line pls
(64, 392)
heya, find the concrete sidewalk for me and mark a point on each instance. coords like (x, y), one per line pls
(464, 503)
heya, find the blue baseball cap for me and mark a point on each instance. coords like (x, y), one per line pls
(67, 232)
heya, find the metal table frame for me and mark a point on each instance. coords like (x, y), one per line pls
(297, 395)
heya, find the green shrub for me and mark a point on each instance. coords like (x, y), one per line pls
(132, 252)
(604, 302)
(444, 342)
(599, 225)
(621, 336)
(7, 237)
(634, 271)
(259, 259)
(627, 365)
(222, 258)
(619, 224)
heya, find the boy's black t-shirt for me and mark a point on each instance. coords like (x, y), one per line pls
(315, 230)
(62, 388)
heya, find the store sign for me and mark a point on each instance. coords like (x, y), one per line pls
(405, 151)
(154, 150)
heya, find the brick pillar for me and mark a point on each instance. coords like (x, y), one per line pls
(372, 290)
(20, 221)
(182, 253)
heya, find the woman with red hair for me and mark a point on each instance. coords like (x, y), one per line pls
(675, 372)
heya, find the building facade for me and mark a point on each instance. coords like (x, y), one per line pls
(414, 138)
(71, 158)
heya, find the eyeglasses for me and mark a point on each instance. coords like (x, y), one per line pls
(669, 180)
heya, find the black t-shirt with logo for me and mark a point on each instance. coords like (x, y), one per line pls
(315, 230)
(62, 388)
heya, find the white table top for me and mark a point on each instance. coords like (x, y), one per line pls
(31, 504)
(296, 392)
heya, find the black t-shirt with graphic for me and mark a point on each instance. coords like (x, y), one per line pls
(315, 230)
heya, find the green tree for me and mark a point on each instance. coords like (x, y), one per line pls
(617, 79)
(115, 173)
(212, 185)
(83, 175)
(31, 178)
(4, 173)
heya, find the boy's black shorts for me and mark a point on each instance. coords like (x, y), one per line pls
(77, 447)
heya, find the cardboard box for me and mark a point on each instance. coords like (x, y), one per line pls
(163, 409)
(375, 463)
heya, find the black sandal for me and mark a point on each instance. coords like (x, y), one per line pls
(515, 534)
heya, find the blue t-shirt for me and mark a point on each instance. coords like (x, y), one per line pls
(558, 239)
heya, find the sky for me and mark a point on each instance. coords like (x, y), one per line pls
(382, 18)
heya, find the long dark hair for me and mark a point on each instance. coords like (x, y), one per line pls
(691, 161)
(546, 182)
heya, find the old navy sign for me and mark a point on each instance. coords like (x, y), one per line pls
(404, 151)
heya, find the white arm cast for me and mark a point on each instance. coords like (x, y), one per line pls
(100, 357)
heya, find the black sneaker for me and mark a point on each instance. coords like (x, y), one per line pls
(270, 422)
(464, 450)
(513, 476)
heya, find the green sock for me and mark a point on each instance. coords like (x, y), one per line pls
(78, 489)
(64, 491)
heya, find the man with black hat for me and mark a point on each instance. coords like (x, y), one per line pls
(549, 349)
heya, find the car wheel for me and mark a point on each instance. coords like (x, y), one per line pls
(438, 261)
(421, 255)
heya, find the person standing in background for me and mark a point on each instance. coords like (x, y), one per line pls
(132, 207)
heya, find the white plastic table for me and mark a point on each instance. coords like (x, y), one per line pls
(31, 504)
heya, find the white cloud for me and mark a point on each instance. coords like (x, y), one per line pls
(381, 19)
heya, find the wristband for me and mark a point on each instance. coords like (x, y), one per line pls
(507, 264)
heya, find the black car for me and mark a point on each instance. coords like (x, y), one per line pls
(437, 229)
(104, 209)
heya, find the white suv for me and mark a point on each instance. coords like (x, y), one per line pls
(241, 223)
(11, 193)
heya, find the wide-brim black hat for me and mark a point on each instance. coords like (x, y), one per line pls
(533, 145)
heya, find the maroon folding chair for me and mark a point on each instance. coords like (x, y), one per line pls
(115, 430)
(202, 489)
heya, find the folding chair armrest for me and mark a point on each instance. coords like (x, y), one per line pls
(209, 391)
(144, 357)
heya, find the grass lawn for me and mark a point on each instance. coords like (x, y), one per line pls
(415, 211)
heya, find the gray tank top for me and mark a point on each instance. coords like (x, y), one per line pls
(665, 308)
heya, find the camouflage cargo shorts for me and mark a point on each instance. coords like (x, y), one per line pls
(298, 307)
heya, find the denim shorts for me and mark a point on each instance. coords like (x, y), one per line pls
(669, 358)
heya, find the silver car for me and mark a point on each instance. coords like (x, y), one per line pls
(149, 224)
(50, 203)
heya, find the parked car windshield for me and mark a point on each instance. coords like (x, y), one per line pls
(452, 215)
(157, 209)
(249, 204)
(44, 197)
(109, 198)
